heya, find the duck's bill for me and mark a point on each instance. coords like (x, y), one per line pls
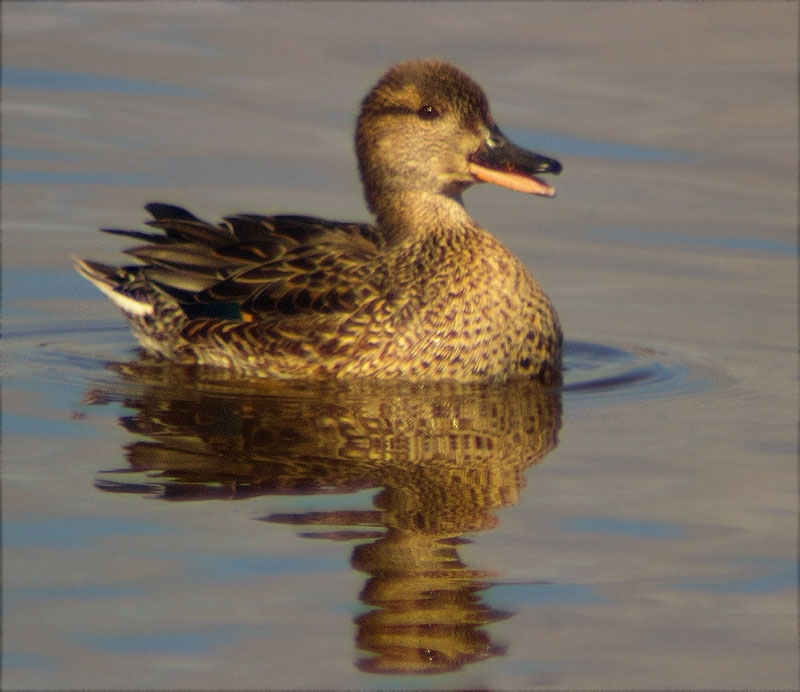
(514, 180)
(501, 162)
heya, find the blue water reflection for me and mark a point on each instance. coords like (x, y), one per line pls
(567, 145)
(625, 527)
(55, 80)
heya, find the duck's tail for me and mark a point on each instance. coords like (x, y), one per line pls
(122, 285)
(156, 319)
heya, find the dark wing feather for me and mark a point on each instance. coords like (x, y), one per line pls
(160, 211)
(155, 238)
(268, 265)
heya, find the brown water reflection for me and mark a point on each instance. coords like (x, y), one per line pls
(444, 457)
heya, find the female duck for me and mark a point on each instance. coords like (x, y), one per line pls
(424, 293)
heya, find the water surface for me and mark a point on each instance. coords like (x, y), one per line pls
(173, 528)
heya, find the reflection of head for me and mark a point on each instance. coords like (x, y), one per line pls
(426, 612)
(444, 456)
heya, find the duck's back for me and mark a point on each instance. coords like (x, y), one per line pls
(200, 281)
(298, 297)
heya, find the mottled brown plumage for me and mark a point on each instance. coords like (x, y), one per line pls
(424, 293)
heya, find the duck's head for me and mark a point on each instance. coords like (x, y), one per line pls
(426, 128)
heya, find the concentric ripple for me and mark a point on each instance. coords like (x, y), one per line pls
(601, 374)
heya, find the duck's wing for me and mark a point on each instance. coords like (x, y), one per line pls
(262, 266)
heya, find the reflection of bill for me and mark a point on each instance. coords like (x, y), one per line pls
(444, 455)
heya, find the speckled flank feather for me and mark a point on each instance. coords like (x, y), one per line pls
(423, 294)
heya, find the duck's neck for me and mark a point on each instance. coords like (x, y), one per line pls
(410, 215)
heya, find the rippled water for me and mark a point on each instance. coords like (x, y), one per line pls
(416, 468)
(172, 527)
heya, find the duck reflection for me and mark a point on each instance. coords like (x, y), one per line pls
(442, 455)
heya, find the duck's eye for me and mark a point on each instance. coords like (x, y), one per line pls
(494, 141)
(428, 113)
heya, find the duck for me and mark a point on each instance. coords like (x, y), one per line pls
(422, 293)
